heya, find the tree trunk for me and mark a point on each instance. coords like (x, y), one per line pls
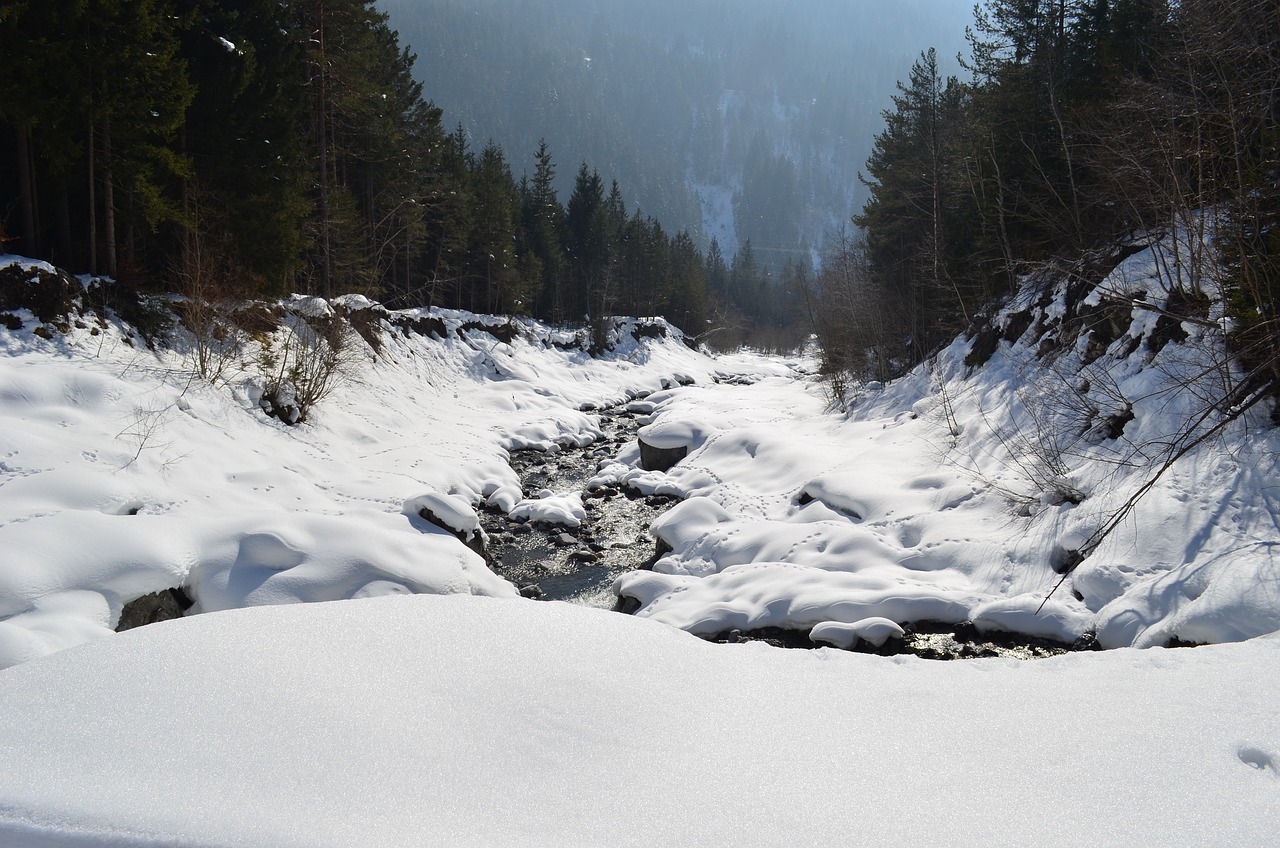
(184, 243)
(408, 267)
(26, 188)
(93, 205)
(65, 253)
(109, 198)
(322, 137)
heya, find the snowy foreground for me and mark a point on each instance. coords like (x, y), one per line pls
(411, 710)
(469, 721)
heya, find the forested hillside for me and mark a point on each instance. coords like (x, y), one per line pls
(735, 119)
(1085, 130)
(257, 148)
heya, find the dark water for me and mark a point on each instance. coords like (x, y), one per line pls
(928, 640)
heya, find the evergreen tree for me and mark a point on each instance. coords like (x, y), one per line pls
(43, 98)
(685, 299)
(244, 134)
(913, 180)
(587, 245)
(495, 285)
(746, 282)
(542, 217)
(717, 272)
(448, 223)
(139, 92)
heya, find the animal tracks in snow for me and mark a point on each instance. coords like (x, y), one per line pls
(1259, 759)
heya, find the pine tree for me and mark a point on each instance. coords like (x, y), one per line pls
(139, 94)
(495, 285)
(245, 136)
(43, 96)
(717, 271)
(912, 179)
(684, 302)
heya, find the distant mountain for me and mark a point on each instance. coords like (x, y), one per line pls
(730, 118)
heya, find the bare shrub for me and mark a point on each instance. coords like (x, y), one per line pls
(304, 368)
(860, 335)
(207, 282)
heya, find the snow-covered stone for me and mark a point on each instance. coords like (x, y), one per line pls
(874, 631)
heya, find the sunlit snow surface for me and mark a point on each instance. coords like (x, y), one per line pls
(939, 497)
(953, 494)
(122, 474)
(453, 719)
(462, 721)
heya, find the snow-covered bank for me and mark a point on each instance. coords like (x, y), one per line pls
(962, 491)
(439, 721)
(384, 719)
(958, 493)
(122, 473)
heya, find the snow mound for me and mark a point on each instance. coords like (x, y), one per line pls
(1023, 614)
(567, 510)
(1225, 599)
(874, 631)
(776, 594)
(450, 511)
(425, 720)
(314, 558)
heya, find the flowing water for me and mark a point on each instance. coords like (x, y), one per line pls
(576, 564)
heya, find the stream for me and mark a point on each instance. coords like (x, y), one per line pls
(578, 564)
(556, 563)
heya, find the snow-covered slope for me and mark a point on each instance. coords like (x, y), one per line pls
(122, 473)
(959, 493)
(962, 491)
(451, 719)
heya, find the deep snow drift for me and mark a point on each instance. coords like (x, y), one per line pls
(465, 721)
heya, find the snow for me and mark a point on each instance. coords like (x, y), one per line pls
(431, 720)
(353, 673)
(122, 473)
(565, 509)
(872, 630)
(958, 493)
(451, 511)
(969, 489)
(7, 259)
(718, 222)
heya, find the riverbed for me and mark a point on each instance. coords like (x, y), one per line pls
(556, 563)
(577, 564)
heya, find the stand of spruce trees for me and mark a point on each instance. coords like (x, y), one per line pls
(1085, 126)
(263, 147)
